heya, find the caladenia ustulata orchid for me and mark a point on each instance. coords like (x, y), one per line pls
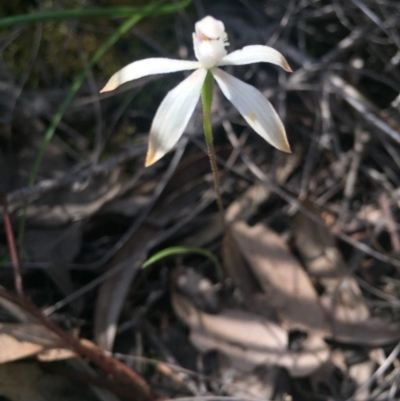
(172, 116)
(209, 40)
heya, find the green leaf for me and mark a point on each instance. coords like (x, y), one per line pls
(184, 250)
(95, 12)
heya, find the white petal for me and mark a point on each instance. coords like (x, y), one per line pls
(148, 66)
(255, 54)
(255, 108)
(173, 115)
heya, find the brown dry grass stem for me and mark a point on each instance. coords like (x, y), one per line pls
(12, 247)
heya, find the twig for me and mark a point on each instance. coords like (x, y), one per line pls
(103, 168)
(360, 140)
(363, 106)
(119, 371)
(391, 225)
(12, 247)
(379, 372)
(377, 21)
(348, 92)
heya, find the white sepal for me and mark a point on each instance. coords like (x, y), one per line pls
(173, 115)
(255, 54)
(148, 66)
(255, 108)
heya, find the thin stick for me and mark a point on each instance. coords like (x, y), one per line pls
(117, 370)
(12, 247)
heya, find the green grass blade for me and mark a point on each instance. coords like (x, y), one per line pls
(95, 12)
(184, 250)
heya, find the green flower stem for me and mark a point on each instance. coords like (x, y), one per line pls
(206, 97)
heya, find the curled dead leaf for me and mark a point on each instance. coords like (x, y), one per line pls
(249, 340)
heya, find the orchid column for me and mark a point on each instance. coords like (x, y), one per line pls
(170, 121)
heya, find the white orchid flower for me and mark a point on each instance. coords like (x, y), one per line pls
(172, 117)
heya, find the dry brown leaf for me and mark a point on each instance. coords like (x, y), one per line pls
(281, 277)
(247, 203)
(22, 340)
(249, 340)
(12, 349)
(298, 363)
(261, 383)
(55, 354)
(234, 326)
(347, 326)
(371, 332)
(317, 246)
(338, 313)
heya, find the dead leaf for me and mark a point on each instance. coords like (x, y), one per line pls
(55, 354)
(22, 340)
(233, 325)
(372, 332)
(281, 277)
(247, 203)
(12, 349)
(317, 246)
(249, 340)
(260, 383)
